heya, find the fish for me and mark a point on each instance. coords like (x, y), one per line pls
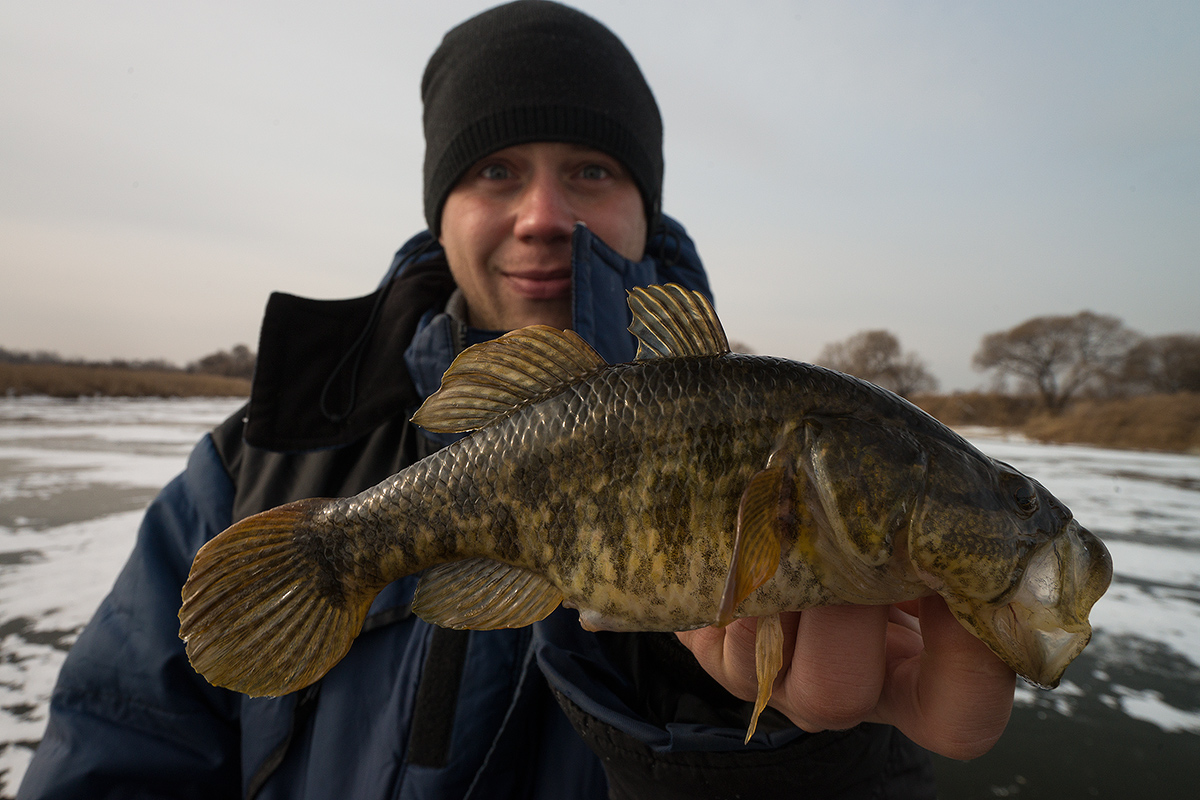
(687, 488)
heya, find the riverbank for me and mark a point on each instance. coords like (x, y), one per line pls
(80, 380)
(1166, 423)
(1161, 422)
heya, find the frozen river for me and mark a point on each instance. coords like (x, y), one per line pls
(74, 479)
(75, 476)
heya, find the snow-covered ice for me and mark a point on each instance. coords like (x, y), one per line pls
(75, 476)
(1146, 508)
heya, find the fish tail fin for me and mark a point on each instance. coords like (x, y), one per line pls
(266, 610)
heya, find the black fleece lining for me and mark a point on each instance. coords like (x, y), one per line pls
(300, 349)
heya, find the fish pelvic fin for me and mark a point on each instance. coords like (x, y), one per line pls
(258, 615)
(490, 381)
(482, 594)
(768, 658)
(671, 322)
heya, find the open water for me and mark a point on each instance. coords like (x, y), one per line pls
(75, 476)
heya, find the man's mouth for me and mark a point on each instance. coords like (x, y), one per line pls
(536, 285)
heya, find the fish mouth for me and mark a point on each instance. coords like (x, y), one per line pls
(1040, 647)
(1044, 624)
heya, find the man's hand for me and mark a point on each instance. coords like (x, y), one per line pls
(910, 665)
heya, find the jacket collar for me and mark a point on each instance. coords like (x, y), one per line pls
(599, 276)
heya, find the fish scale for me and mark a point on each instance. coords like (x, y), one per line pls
(687, 488)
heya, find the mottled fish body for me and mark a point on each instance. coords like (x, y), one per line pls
(683, 489)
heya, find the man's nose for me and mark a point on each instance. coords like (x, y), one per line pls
(544, 211)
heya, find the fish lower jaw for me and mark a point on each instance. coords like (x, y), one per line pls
(1035, 645)
(1044, 625)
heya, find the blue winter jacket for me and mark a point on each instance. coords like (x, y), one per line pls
(412, 711)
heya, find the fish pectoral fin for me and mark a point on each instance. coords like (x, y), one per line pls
(482, 594)
(489, 381)
(765, 509)
(768, 658)
(670, 322)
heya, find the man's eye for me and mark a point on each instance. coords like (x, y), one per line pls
(494, 172)
(594, 172)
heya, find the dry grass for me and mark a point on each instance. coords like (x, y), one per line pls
(978, 408)
(1169, 422)
(61, 380)
(1166, 422)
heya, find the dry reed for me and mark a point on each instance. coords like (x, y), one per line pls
(1167, 422)
(63, 380)
(978, 408)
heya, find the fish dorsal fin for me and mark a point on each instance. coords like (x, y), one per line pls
(482, 595)
(491, 380)
(671, 322)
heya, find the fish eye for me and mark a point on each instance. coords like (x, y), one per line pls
(1024, 493)
(1026, 498)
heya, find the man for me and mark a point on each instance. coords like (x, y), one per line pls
(543, 177)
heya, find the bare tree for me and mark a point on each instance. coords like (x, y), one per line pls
(1164, 364)
(910, 376)
(1059, 357)
(875, 356)
(237, 363)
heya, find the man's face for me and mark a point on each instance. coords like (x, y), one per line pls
(506, 229)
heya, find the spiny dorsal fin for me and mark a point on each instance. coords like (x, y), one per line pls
(670, 321)
(482, 595)
(491, 380)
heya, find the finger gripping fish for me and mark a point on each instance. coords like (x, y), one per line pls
(686, 488)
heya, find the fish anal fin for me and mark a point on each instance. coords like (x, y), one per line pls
(765, 509)
(768, 658)
(483, 594)
(670, 322)
(491, 380)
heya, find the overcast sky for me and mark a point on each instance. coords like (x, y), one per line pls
(939, 169)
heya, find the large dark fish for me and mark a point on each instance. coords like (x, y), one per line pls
(686, 488)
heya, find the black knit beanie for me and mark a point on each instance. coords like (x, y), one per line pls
(535, 71)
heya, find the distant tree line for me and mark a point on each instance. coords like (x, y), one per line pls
(235, 363)
(50, 357)
(1059, 358)
(1054, 358)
